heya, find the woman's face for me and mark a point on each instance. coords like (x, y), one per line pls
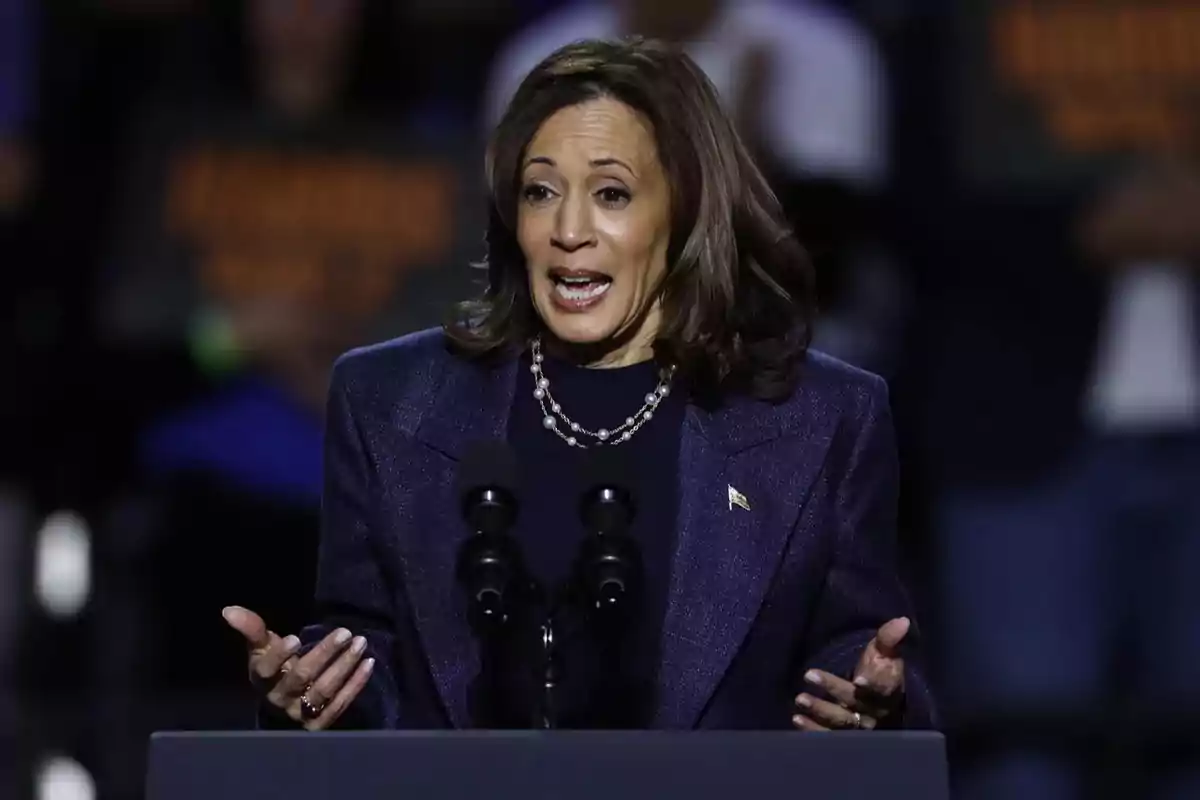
(594, 223)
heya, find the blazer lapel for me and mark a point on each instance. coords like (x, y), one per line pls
(726, 553)
(471, 404)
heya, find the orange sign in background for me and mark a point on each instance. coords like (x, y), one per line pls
(329, 230)
(1104, 75)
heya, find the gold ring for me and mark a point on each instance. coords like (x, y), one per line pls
(308, 710)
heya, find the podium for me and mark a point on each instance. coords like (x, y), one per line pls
(530, 765)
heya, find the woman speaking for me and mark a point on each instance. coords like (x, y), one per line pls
(646, 298)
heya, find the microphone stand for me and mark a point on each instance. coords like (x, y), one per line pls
(606, 587)
(550, 668)
(492, 573)
(609, 574)
(550, 674)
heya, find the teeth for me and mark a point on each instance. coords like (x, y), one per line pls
(579, 281)
(585, 291)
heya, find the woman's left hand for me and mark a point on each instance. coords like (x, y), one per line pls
(876, 692)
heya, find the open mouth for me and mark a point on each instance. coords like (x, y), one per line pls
(579, 286)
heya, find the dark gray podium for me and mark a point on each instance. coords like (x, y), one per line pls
(546, 766)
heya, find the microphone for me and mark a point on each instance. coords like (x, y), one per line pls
(609, 567)
(490, 567)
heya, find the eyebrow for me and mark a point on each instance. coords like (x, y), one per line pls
(595, 162)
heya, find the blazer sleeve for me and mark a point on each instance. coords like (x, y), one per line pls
(863, 588)
(352, 590)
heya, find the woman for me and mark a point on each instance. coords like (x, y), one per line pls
(643, 294)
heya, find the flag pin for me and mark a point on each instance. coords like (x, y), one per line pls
(738, 499)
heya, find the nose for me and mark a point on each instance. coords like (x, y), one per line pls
(573, 225)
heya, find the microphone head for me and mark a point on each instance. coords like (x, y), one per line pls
(609, 568)
(607, 504)
(488, 485)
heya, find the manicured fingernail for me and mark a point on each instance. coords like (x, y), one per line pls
(342, 636)
(812, 677)
(227, 612)
(804, 700)
(860, 681)
(798, 721)
(291, 643)
(359, 645)
(369, 664)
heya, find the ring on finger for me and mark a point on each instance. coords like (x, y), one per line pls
(308, 709)
(857, 722)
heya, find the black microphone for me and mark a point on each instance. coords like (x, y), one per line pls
(609, 567)
(490, 567)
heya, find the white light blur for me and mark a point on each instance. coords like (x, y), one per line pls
(63, 564)
(62, 778)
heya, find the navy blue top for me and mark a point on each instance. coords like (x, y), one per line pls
(602, 685)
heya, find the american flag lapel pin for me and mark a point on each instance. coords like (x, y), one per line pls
(738, 499)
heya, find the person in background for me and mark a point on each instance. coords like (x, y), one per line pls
(302, 53)
(1071, 597)
(294, 88)
(804, 84)
(255, 439)
(218, 196)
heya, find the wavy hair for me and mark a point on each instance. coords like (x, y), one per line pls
(738, 295)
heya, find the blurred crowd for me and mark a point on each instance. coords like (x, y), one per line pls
(203, 202)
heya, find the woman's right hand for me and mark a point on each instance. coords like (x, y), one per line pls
(313, 689)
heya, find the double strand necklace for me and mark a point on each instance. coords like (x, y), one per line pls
(570, 431)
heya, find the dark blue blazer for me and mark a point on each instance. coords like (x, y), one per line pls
(803, 579)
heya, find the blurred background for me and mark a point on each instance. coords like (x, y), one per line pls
(203, 202)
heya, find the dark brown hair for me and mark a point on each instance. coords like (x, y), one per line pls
(738, 295)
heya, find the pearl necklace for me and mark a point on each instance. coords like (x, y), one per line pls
(552, 412)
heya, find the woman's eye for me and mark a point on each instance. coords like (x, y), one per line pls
(614, 196)
(535, 193)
